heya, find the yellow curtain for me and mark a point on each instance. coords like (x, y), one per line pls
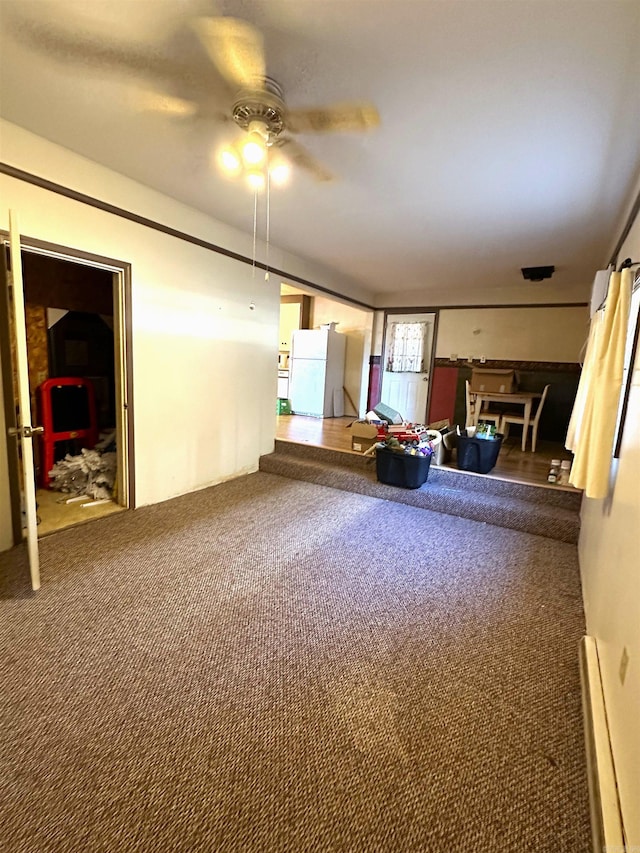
(586, 377)
(591, 431)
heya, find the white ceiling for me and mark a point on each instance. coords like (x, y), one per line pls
(509, 137)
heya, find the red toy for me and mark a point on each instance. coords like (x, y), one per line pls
(407, 433)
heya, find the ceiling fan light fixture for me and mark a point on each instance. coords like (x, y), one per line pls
(279, 172)
(230, 161)
(255, 179)
(254, 150)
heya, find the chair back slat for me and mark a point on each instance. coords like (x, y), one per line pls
(536, 417)
(469, 402)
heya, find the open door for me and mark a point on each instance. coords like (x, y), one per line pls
(23, 431)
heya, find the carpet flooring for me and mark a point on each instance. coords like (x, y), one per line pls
(518, 506)
(273, 665)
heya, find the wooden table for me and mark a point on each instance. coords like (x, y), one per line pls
(518, 398)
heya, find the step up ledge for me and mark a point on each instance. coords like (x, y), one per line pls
(552, 522)
(452, 478)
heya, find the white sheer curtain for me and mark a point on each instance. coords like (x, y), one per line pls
(406, 347)
(593, 421)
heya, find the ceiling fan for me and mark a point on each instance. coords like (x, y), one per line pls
(240, 92)
(236, 49)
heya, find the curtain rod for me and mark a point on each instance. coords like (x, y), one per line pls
(625, 265)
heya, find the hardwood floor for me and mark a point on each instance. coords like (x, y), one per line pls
(512, 463)
(54, 514)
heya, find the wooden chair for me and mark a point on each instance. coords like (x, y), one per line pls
(474, 416)
(470, 400)
(518, 418)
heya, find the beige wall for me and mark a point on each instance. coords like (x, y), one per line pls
(518, 334)
(610, 568)
(378, 333)
(356, 325)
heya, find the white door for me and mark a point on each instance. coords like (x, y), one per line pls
(25, 430)
(406, 362)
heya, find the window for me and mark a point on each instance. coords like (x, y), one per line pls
(406, 347)
(630, 353)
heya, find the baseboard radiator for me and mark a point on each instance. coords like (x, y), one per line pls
(606, 820)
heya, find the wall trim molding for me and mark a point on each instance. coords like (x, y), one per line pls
(606, 818)
(123, 213)
(435, 308)
(508, 364)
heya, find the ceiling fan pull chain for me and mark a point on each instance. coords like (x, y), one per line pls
(255, 228)
(266, 272)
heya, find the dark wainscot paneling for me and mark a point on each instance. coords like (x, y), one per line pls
(532, 376)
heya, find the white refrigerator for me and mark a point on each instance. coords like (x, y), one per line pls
(316, 373)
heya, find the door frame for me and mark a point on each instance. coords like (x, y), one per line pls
(9, 400)
(432, 360)
(123, 363)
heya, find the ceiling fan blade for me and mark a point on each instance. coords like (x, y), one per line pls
(149, 100)
(97, 55)
(339, 118)
(235, 47)
(299, 156)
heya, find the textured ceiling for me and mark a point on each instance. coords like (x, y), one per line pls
(509, 137)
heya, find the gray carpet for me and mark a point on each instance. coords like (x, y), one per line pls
(272, 665)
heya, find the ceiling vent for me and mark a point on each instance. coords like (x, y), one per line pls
(537, 273)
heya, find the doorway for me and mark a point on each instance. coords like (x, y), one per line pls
(312, 310)
(79, 365)
(407, 363)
